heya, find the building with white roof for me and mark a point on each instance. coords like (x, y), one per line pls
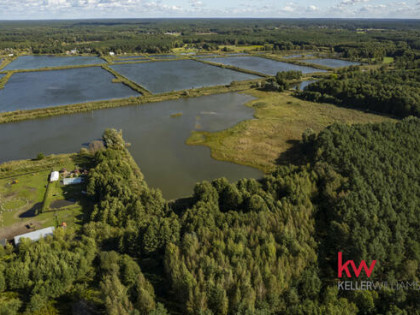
(54, 176)
(35, 235)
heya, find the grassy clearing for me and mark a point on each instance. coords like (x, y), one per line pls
(273, 136)
(238, 49)
(23, 186)
(388, 60)
(12, 169)
(184, 49)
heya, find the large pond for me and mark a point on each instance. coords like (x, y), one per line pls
(166, 76)
(333, 63)
(157, 139)
(262, 65)
(29, 90)
(38, 62)
(129, 60)
(206, 55)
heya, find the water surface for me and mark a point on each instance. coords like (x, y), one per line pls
(38, 62)
(131, 57)
(333, 63)
(237, 54)
(302, 85)
(163, 56)
(29, 90)
(159, 77)
(262, 65)
(129, 60)
(157, 139)
(297, 56)
(206, 55)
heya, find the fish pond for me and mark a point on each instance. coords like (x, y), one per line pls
(262, 65)
(38, 62)
(332, 63)
(128, 60)
(30, 90)
(166, 76)
(157, 134)
(206, 55)
(163, 56)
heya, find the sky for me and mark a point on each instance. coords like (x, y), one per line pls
(76, 9)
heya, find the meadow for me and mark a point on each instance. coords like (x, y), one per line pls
(274, 135)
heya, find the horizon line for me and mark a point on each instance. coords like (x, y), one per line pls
(215, 18)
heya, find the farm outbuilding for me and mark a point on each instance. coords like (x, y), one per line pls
(54, 176)
(36, 235)
(73, 181)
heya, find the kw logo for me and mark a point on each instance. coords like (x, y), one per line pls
(357, 270)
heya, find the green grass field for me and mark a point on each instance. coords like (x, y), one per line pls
(272, 137)
(388, 60)
(22, 190)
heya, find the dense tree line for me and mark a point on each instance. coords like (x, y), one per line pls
(282, 80)
(354, 39)
(370, 205)
(250, 247)
(391, 91)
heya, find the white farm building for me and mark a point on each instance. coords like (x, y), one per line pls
(36, 235)
(54, 176)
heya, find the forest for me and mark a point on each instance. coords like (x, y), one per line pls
(394, 91)
(265, 246)
(250, 247)
(356, 39)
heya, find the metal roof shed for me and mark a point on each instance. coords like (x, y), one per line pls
(73, 181)
(54, 176)
(35, 235)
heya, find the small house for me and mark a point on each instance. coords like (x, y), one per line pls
(54, 176)
(111, 53)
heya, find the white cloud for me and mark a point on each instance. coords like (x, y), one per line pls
(372, 8)
(196, 3)
(158, 6)
(352, 2)
(288, 8)
(41, 9)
